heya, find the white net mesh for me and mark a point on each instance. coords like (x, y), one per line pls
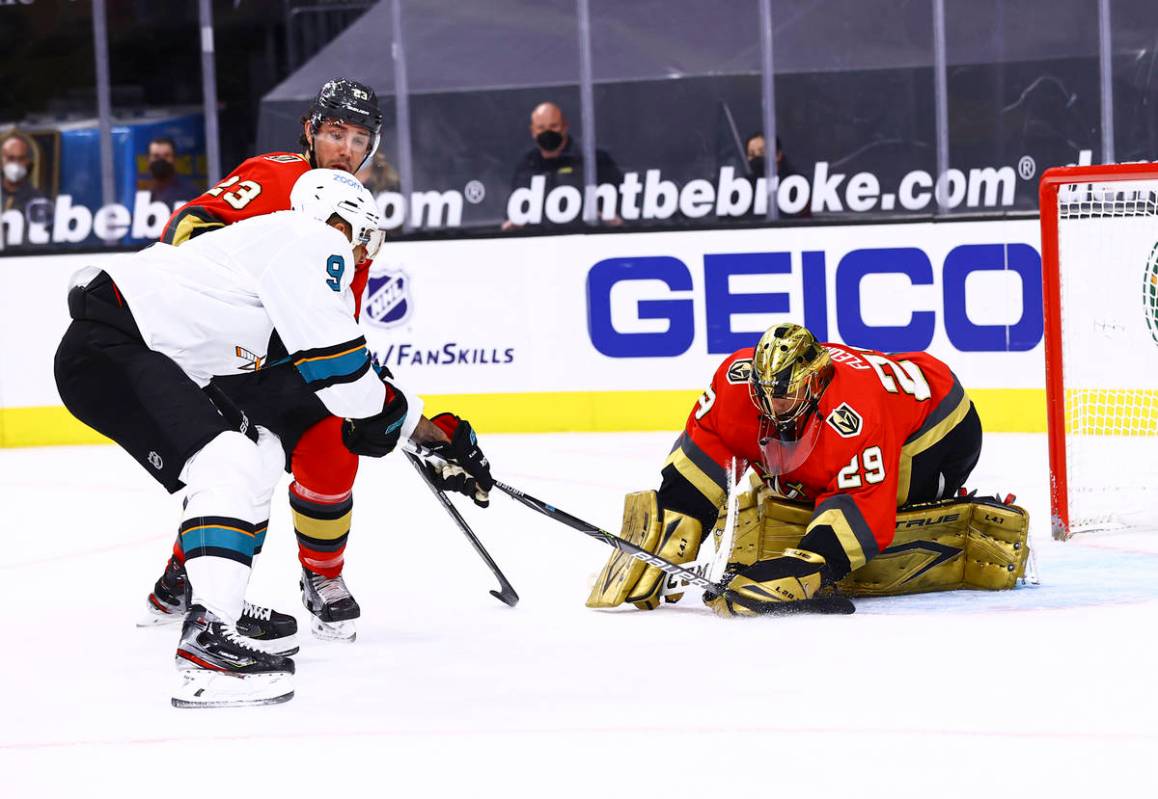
(1108, 269)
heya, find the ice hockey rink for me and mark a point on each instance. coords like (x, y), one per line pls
(1041, 691)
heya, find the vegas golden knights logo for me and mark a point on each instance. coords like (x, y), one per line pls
(740, 372)
(845, 421)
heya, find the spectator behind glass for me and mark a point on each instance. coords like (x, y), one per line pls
(18, 192)
(755, 152)
(165, 184)
(379, 175)
(559, 157)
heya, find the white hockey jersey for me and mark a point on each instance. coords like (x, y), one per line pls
(212, 304)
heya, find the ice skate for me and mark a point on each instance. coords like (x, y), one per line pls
(219, 667)
(268, 630)
(332, 608)
(271, 631)
(169, 600)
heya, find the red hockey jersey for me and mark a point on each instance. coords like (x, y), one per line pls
(260, 185)
(853, 463)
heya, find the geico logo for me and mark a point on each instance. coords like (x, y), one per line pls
(668, 303)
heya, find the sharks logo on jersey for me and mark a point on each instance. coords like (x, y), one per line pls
(388, 300)
(251, 362)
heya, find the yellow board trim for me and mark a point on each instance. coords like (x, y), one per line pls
(1001, 411)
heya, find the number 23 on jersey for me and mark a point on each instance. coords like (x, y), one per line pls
(246, 191)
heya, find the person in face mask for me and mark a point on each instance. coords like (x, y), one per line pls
(18, 189)
(558, 157)
(164, 183)
(755, 151)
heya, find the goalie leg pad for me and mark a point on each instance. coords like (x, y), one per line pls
(766, 526)
(669, 534)
(939, 546)
(998, 546)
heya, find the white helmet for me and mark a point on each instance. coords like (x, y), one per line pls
(321, 193)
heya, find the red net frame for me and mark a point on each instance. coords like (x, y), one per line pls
(1051, 182)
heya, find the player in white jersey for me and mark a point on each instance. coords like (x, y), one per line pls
(152, 329)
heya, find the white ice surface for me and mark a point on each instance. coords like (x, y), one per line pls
(1046, 691)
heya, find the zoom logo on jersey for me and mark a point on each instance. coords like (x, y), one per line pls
(388, 299)
(845, 421)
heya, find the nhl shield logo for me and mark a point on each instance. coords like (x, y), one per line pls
(845, 421)
(388, 299)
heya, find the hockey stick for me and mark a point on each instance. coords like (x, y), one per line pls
(828, 604)
(507, 595)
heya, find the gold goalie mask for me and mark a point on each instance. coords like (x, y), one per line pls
(790, 372)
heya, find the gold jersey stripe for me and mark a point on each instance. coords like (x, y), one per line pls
(834, 518)
(922, 443)
(712, 491)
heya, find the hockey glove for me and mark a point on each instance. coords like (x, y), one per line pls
(768, 585)
(377, 435)
(466, 470)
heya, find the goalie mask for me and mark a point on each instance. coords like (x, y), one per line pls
(349, 103)
(322, 193)
(790, 372)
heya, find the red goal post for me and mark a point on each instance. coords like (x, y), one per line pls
(1099, 251)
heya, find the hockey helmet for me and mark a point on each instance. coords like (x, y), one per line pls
(349, 102)
(790, 371)
(321, 193)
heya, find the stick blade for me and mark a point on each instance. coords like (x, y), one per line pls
(507, 596)
(834, 605)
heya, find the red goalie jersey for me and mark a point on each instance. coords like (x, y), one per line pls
(858, 459)
(261, 185)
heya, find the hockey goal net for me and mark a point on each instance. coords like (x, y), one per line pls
(1099, 236)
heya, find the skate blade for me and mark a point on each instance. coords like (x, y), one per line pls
(205, 688)
(155, 617)
(284, 646)
(344, 631)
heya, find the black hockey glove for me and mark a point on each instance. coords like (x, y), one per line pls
(466, 470)
(377, 435)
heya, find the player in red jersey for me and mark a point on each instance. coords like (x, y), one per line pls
(854, 433)
(340, 131)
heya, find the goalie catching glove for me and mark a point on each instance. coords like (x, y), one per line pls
(766, 585)
(465, 469)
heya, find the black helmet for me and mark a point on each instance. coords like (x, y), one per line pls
(343, 100)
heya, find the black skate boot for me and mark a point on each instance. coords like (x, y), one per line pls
(169, 600)
(331, 605)
(220, 668)
(270, 631)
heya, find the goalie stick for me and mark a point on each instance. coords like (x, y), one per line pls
(507, 595)
(827, 604)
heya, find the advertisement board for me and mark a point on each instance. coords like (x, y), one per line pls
(621, 332)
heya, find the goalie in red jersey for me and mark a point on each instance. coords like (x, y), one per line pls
(840, 438)
(340, 131)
